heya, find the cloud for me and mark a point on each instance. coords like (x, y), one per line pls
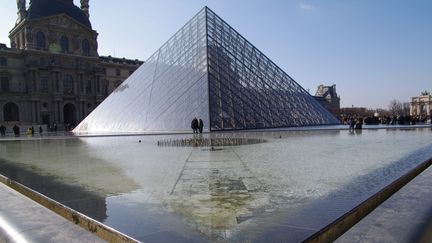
(307, 7)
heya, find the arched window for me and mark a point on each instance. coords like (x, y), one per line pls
(86, 47)
(10, 112)
(68, 84)
(64, 44)
(3, 61)
(40, 40)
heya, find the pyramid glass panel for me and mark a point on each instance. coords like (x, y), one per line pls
(207, 70)
(249, 91)
(165, 93)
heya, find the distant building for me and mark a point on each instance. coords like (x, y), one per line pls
(327, 97)
(52, 73)
(421, 105)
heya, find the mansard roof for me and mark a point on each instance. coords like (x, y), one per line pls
(45, 8)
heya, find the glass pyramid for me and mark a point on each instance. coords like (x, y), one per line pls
(209, 71)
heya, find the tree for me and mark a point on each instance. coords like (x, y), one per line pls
(395, 107)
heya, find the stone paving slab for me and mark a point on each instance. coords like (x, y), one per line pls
(23, 220)
(404, 217)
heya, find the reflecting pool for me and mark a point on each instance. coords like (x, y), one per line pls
(285, 187)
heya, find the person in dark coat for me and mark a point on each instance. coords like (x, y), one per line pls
(3, 130)
(200, 125)
(194, 125)
(16, 130)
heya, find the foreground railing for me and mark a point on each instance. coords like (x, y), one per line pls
(103, 231)
(338, 227)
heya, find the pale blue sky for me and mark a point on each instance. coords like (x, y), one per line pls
(373, 50)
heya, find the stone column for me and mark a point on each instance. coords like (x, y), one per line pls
(81, 113)
(57, 82)
(411, 108)
(29, 86)
(418, 109)
(38, 114)
(81, 83)
(55, 114)
(1, 113)
(60, 112)
(34, 82)
(428, 107)
(35, 113)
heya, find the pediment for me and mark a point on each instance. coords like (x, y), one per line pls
(62, 21)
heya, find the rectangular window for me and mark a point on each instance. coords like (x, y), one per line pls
(4, 84)
(81, 77)
(44, 84)
(3, 61)
(118, 72)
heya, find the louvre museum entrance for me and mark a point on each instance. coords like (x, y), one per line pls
(69, 114)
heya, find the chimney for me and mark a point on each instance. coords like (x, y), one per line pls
(85, 7)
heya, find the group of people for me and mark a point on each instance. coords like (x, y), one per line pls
(355, 123)
(16, 130)
(197, 125)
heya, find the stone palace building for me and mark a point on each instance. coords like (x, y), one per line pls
(52, 72)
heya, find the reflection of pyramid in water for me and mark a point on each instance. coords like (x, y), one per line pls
(207, 70)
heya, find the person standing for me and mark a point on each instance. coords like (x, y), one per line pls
(2, 130)
(194, 125)
(16, 130)
(40, 130)
(200, 125)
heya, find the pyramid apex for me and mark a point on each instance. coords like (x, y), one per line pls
(209, 71)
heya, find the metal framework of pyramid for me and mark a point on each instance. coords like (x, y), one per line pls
(209, 71)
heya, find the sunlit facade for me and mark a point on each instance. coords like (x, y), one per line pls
(52, 74)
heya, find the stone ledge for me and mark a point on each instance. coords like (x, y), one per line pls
(91, 225)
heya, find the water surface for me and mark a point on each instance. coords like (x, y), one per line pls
(283, 189)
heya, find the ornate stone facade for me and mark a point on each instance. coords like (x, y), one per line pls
(327, 97)
(421, 106)
(52, 73)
